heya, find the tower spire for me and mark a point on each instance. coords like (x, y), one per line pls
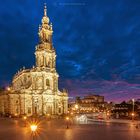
(45, 30)
(45, 9)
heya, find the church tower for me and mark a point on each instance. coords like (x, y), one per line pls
(45, 53)
(35, 91)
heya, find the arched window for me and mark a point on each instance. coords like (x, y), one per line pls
(47, 83)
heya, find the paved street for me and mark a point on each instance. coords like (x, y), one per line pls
(13, 129)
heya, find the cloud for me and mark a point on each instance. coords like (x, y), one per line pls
(112, 90)
(96, 41)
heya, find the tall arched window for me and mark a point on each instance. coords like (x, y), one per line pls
(47, 83)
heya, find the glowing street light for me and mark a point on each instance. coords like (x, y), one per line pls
(33, 128)
(25, 118)
(133, 109)
(71, 113)
(67, 118)
(48, 115)
(76, 106)
(133, 114)
(8, 88)
(67, 122)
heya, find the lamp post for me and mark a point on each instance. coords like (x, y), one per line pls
(8, 89)
(133, 109)
(67, 122)
(25, 118)
(48, 116)
(76, 107)
(33, 128)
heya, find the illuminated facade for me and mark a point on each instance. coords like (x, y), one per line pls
(35, 90)
(88, 104)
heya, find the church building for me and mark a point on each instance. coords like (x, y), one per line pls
(35, 91)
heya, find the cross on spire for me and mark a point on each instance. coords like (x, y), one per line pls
(45, 9)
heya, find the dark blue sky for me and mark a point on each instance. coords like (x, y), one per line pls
(97, 43)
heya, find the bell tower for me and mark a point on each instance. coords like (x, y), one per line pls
(45, 53)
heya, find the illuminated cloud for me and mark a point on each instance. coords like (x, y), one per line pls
(97, 42)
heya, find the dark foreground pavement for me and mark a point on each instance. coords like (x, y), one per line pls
(13, 129)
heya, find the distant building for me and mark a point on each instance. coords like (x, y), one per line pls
(90, 99)
(124, 110)
(35, 90)
(88, 104)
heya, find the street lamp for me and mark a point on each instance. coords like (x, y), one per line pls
(76, 107)
(133, 114)
(133, 109)
(48, 116)
(8, 88)
(67, 122)
(25, 118)
(33, 128)
(71, 113)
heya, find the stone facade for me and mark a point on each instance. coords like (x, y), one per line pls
(35, 90)
(88, 104)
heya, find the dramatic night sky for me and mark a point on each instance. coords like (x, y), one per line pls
(97, 44)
